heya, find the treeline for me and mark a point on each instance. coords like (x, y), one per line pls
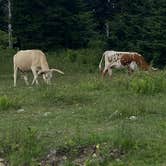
(127, 25)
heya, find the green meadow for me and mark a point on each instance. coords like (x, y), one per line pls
(81, 119)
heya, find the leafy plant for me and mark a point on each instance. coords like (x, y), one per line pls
(148, 84)
(6, 103)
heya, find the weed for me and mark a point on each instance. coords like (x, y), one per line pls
(6, 103)
(148, 84)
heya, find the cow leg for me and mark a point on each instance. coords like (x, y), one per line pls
(105, 70)
(104, 73)
(129, 69)
(26, 79)
(132, 66)
(110, 72)
(15, 75)
(35, 75)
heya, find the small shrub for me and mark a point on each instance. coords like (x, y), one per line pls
(148, 84)
(143, 86)
(6, 103)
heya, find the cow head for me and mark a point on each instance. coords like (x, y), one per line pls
(47, 74)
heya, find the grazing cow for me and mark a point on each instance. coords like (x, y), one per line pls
(116, 59)
(35, 61)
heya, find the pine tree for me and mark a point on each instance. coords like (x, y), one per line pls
(48, 24)
(139, 26)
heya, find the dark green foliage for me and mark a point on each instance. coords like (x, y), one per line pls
(3, 39)
(3, 15)
(139, 26)
(134, 25)
(148, 84)
(50, 24)
(6, 103)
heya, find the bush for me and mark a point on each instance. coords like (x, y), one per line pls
(148, 84)
(6, 103)
(143, 86)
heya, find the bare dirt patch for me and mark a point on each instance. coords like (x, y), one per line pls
(80, 155)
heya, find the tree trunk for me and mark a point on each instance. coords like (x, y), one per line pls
(10, 25)
(107, 29)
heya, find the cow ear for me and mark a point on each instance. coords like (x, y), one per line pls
(43, 72)
(40, 72)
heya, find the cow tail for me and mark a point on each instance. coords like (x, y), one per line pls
(100, 64)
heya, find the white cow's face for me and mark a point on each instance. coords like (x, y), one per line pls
(47, 77)
(133, 66)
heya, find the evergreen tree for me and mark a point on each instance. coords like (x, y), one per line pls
(130, 25)
(103, 11)
(139, 26)
(44, 24)
(3, 15)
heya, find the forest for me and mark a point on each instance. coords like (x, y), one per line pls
(125, 25)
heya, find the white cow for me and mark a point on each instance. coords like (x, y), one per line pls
(35, 61)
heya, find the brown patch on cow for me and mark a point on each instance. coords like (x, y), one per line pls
(126, 59)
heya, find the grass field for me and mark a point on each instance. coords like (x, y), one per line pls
(82, 120)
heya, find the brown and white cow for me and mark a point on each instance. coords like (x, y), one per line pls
(116, 59)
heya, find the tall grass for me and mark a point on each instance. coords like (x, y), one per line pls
(21, 146)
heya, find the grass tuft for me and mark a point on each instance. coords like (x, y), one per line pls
(21, 147)
(6, 103)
